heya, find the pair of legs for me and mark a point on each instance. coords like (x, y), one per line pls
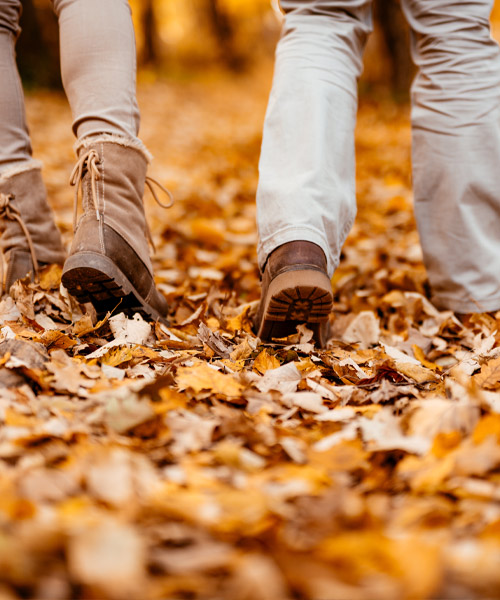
(307, 167)
(109, 259)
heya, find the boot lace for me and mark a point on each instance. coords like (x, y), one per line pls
(8, 211)
(150, 182)
(89, 161)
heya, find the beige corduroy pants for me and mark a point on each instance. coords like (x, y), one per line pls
(307, 167)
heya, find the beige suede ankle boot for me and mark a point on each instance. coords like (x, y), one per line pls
(109, 263)
(29, 237)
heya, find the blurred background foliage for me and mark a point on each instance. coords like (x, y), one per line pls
(181, 38)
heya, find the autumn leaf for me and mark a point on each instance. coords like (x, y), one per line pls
(265, 361)
(201, 377)
(241, 322)
(418, 373)
(57, 339)
(50, 277)
(419, 355)
(489, 376)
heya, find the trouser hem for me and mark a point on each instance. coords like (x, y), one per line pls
(19, 167)
(135, 143)
(465, 306)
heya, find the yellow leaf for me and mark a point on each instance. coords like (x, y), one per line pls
(117, 356)
(73, 509)
(143, 352)
(170, 400)
(50, 277)
(491, 530)
(234, 365)
(427, 475)
(445, 443)
(306, 366)
(17, 509)
(5, 358)
(15, 419)
(368, 411)
(241, 322)
(345, 457)
(361, 554)
(316, 475)
(208, 231)
(488, 425)
(265, 361)
(420, 356)
(201, 377)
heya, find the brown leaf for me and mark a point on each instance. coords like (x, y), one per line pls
(214, 341)
(489, 376)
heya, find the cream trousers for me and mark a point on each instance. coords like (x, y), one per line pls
(98, 64)
(307, 168)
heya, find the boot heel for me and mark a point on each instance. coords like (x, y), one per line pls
(295, 297)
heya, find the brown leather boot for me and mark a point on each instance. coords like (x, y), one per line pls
(295, 289)
(29, 236)
(109, 263)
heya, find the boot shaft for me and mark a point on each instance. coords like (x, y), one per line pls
(112, 184)
(27, 197)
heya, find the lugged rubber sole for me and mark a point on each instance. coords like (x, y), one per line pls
(294, 298)
(95, 278)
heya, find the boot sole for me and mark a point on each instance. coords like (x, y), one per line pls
(294, 298)
(95, 278)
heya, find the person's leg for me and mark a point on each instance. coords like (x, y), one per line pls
(98, 66)
(306, 188)
(306, 200)
(22, 192)
(15, 145)
(109, 262)
(456, 150)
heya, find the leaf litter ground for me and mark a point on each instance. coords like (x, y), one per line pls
(194, 461)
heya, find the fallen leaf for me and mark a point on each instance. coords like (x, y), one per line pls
(265, 362)
(201, 377)
(110, 558)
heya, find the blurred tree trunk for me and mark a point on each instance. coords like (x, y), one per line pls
(150, 52)
(223, 30)
(396, 37)
(38, 45)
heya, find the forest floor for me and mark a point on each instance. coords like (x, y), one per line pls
(144, 462)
